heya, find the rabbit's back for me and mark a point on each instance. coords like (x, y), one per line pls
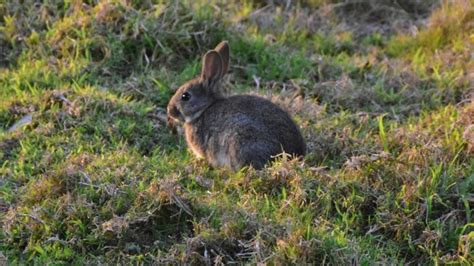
(243, 130)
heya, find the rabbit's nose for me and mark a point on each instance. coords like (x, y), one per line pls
(173, 112)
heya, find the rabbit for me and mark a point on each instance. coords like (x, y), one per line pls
(231, 132)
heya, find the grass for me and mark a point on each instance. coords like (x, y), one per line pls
(382, 91)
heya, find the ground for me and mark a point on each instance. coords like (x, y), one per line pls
(382, 91)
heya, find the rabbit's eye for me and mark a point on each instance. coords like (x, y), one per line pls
(185, 97)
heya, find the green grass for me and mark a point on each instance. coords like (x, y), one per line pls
(95, 176)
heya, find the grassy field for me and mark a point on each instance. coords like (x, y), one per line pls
(382, 90)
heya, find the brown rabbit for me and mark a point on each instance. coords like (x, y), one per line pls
(234, 131)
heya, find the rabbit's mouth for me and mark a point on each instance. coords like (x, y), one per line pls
(175, 114)
(172, 125)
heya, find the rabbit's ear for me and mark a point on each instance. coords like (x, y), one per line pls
(211, 68)
(224, 51)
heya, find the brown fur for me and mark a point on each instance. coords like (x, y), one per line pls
(236, 131)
